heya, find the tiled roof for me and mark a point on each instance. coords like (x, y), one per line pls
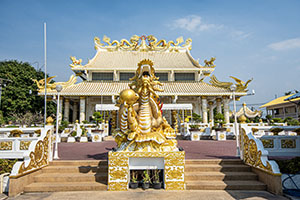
(183, 88)
(128, 60)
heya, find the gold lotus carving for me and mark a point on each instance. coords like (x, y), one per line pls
(267, 143)
(174, 173)
(118, 173)
(6, 145)
(175, 185)
(288, 143)
(24, 145)
(117, 186)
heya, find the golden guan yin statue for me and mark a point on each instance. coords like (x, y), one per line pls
(142, 126)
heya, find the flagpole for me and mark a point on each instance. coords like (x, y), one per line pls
(45, 65)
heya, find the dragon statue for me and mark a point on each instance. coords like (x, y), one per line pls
(142, 126)
(210, 63)
(51, 86)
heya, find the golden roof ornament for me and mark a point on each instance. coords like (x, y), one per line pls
(139, 43)
(51, 86)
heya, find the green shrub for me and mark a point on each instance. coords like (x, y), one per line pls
(63, 125)
(98, 117)
(276, 130)
(74, 133)
(6, 165)
(197, 118)
(289, 166)
(277, 120)
(194, 126)
(293, 122)
(85, 122)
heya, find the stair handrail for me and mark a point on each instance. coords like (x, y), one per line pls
(39, 154)
(254, 154)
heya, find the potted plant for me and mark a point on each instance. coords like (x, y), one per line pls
(133, 182)
(156, 179)
(194, 127)
(275, 131)
(219, 120)
(146, 180)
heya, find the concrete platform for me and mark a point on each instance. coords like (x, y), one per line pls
(204, 149)
(152, 194)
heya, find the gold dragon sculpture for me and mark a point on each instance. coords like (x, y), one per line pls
(142, 126)
(241, 86)
(51, 86)
(139, 43)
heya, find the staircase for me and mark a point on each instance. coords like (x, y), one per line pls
(216, 174)
(81, 175)
(87, 175)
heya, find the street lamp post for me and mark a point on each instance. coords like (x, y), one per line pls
(233, 89)
(58, 89)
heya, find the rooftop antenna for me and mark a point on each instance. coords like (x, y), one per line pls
(45, 64)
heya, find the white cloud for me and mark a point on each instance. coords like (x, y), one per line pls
(193, 23)
(285, 44)
(240, 35)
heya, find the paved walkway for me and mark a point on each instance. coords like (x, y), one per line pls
(153, 194)
(205, 149)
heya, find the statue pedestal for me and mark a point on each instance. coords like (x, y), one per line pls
(120, 164)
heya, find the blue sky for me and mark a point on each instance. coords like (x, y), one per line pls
(257, 39)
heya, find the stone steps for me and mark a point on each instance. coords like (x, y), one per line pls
(65, 186)
(75, 169)
(220, 176)
(89, 175)
(71, 177)
(216, 168)
(225, 185)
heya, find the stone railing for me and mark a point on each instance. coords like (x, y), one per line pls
(254, 154)
(259, 131)
(281, 145)
(37, 156)
(12, 148)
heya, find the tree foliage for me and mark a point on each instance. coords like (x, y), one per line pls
(16, 97)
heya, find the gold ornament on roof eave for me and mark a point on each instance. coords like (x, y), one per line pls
(142, 126)
(138, 43)
(75, 62)
(241, 86)
(51, 86)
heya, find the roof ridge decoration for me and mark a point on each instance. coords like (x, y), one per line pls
(138, 43)
(241, 86)
(51, 86)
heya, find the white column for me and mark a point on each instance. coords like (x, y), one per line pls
(60, 109)
(82, 109)
(219, 107)
(226, 109)
(67, 109)
(75, 110)
(211, 111)
(204, 110)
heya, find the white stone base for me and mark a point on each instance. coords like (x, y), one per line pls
(195, 135)
(83, 139)
(96, 138)
(221, 135)
(71, 139)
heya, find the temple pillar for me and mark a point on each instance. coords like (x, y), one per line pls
(67, 110)
(204, 110)
(211, 111)
(226, 109)
(82, 109)
(75, 110)
(219, 107)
